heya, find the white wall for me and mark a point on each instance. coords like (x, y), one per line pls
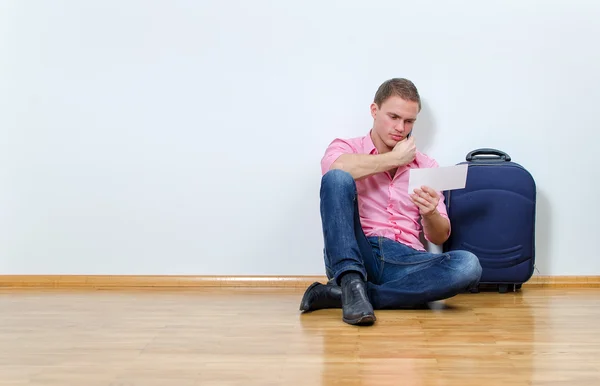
(184, 137)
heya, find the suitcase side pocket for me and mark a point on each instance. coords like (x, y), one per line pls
(498, 258)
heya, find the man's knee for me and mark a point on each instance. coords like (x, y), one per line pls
(469, 266)
(338, 181)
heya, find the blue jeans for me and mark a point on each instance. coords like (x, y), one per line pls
(397, 275)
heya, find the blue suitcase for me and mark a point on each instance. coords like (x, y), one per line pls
(494, 218)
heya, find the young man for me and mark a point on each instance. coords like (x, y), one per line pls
(371, 224)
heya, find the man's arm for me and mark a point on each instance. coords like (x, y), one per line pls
(365, 165)
(435, 226)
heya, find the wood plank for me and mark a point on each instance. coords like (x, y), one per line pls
(182, 281)
(256, 336)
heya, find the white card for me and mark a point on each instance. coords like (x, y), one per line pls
(440, 179)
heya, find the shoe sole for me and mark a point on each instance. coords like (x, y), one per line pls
(362, 321)
(304, 306)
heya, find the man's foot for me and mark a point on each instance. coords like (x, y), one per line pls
(319, 296)
(355, 303)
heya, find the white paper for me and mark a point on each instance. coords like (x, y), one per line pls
(440, 179)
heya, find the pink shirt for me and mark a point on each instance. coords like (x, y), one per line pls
(384, 203)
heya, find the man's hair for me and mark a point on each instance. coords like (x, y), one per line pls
(401, 87)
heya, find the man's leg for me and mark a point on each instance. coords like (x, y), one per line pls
(345, 245)
(411, 278)
(342, 231)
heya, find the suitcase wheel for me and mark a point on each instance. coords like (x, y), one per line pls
(503, 288)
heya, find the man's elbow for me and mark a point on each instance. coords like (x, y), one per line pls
(340, 165)
(439, 237)
(438, 240)
(443, 239)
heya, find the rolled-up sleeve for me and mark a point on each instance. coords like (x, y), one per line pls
(335, 149)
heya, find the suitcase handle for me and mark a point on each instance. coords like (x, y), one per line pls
(472, 156)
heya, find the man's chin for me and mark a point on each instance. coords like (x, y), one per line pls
(391, 143)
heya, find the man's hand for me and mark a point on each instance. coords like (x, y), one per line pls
(405, 151)
(426, 199)
(435, 226)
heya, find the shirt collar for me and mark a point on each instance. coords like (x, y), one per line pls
(368, 145)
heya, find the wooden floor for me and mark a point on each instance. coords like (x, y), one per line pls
(258, 337)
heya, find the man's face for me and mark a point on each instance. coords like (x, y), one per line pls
(393, 121)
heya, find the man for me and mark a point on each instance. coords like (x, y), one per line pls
(374, 258)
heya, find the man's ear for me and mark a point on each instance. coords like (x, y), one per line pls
(374, 109)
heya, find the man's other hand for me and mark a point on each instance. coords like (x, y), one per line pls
(426, 199)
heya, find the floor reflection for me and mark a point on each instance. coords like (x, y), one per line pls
(470, 339)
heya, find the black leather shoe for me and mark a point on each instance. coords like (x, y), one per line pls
(319, 296)
(356, 307)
